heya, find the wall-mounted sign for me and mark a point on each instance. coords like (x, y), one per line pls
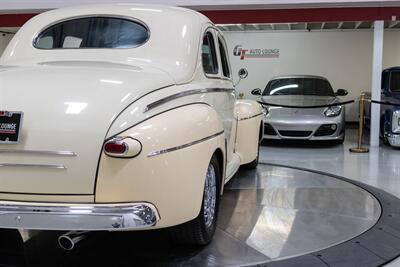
(244, 53)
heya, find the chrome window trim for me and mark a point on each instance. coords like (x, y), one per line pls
(210, 75)
(39, 152)
(247, 118)
(167, 99)
(23, 165)
(135, 20)
(167, 150)
(214, 31)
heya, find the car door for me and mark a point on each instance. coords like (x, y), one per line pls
(225, 77)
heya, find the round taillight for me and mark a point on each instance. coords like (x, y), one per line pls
(122, 147)
(115, 147)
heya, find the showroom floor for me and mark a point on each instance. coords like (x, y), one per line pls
(273, 216)
(377, 168)
(266, 215)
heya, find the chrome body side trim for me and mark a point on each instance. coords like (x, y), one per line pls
(247, 118)
(22, 165)
(164, 100)
(90, 217)
(167, 150)
(39, 152)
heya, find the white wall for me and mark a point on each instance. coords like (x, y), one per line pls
(345, 58)
(4, 40)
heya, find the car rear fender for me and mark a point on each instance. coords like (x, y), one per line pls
(170, 170)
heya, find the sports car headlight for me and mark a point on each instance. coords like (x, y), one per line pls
(333, 111)
(396, 121)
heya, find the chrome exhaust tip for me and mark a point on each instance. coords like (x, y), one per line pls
(69, 240)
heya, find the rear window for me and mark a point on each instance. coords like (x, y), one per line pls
(93, 32)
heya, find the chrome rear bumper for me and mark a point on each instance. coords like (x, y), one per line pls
(88, 217)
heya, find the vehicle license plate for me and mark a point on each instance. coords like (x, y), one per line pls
(10, 126)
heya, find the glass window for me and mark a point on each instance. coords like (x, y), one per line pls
(395, 81)
(299, 86)
(208, 55)
(224, 60)
(384, 82)
(93, 32)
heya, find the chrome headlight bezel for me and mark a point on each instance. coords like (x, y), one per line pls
(265, 111)
(396, 121)
(333, 111)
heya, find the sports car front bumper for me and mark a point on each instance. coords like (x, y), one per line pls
(304, 127)
(88, 217)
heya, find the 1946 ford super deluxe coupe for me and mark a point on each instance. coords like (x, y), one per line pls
(120, 117)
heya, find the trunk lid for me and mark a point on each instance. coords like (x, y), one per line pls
(68, 106)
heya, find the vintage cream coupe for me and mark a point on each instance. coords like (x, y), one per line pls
(120, 117)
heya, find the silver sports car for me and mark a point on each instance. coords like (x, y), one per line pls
(327, 123)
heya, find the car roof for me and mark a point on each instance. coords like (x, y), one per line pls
(175, 37)
(392, 68)
(299, 76)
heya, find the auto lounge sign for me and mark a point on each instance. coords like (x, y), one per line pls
(244, 53)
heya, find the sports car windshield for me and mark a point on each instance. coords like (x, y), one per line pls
(299, 86)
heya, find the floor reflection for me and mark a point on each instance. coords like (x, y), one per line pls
(267, 214)
(294, 212)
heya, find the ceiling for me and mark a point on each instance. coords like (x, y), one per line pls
(18, 6)
(314, 26)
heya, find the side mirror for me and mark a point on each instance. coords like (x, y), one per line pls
(341, 92)
(243, 73)
(256, 91)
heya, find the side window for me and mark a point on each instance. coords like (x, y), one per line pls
(385, 75)
(395, 81)
(208, 54)
(224, 60)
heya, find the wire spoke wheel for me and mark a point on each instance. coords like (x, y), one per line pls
(210, 196)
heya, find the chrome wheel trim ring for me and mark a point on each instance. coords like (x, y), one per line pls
(210, 196)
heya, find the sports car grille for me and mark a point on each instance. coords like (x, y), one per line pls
(295, 133)
(268, 129)
(325, 130)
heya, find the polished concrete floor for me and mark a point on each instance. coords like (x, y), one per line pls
(379, 168)
(265, 215)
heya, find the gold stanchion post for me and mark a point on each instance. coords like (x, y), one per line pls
(359, 148)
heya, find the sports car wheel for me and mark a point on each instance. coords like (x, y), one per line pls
(200, 230)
